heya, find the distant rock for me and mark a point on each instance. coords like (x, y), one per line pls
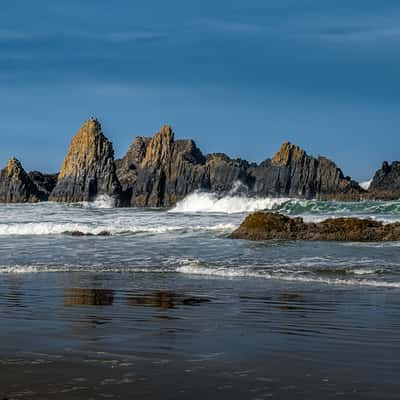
(159, 171)
(270, 226)
(293, 173)
(88, 169)
(44, 182)
(386, 183)
(16, 186)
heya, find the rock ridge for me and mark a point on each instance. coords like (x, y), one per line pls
(271, 226)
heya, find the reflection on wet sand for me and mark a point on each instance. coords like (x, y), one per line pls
(88, 297)
(164, 300)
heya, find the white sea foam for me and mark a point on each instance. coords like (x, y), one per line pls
(205, 202)
(51, 228)
(366, 185)
(101, 201)
(291, 277)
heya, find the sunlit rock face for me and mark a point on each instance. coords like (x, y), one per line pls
(16, 186)
(88, 169)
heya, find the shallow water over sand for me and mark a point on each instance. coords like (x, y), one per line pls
(163, 305)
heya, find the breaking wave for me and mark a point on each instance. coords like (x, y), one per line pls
(349, 277)
(102, 201)
(204, 202)
(49, 228)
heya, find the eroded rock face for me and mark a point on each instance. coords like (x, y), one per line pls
(386, 182)
(293, 173)
(44, 182)
(159, 171)
(88, 169)
(16, 186)
(270, 226)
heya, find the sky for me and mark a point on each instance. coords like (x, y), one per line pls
(239, 77)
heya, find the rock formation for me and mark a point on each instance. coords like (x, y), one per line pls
(88, 169)
(293, 173)
(160, 171)
(16, 186)
(269, 226)
(386, 182)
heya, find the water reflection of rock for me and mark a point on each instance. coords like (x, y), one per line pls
(88, 297)
(165, 300)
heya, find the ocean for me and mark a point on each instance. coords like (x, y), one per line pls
(97, 301)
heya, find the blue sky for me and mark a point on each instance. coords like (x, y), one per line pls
(237, 76)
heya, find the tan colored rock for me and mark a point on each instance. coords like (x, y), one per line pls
(270, 226)
(88, 169)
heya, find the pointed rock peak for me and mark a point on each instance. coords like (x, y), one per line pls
(166, 134)
(14, 167)
(88, 147)
(287, 153)
(91, 127)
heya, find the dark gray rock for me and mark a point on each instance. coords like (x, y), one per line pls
(159, 171)
(293, 173)
(387, 178)
(16, 186)
(44, 182)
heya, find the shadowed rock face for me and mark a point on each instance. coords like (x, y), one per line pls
(88, 169)
(16, 186)
(44, 182)
(293, 173)
(160, 171)
(269, 226)
(386, 182)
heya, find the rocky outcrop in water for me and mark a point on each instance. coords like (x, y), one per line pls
(293, 173)
(88, 169)
(16, 186)
(160, 171)
(269, 226)
(386, 182)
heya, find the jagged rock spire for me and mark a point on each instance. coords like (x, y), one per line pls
(88, 169)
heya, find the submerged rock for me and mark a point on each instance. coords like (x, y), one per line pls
(269, 226)
(88, 169)
(16, 186)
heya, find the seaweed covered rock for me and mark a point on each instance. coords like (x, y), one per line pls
(88, 169)
(269, 226)
(16, 186)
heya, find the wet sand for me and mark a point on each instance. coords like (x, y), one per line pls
(153, 336)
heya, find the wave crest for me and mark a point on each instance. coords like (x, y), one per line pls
(205, 202)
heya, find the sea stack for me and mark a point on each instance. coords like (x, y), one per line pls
(293, 173)
(386, 182)
(16, 186)
(159, 171)
(88, 169)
